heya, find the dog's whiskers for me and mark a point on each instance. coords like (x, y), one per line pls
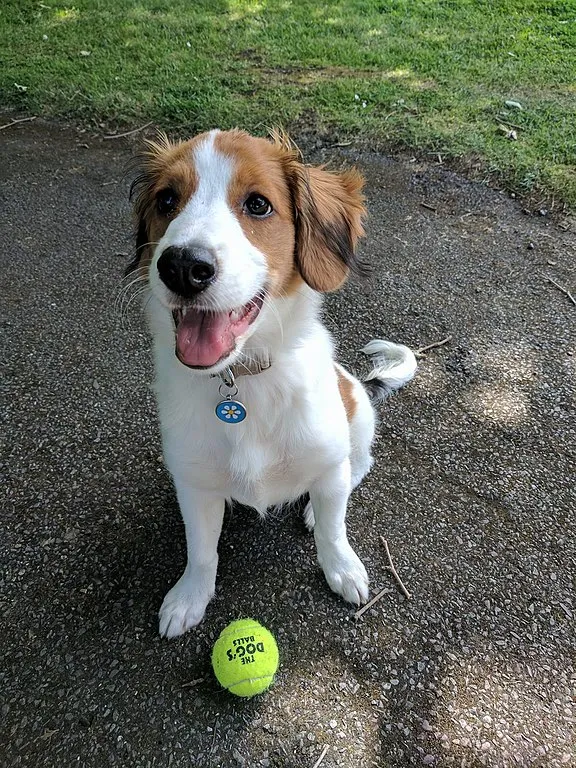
(128, 293)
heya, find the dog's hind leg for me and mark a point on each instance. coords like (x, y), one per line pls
(362, 427)
(342, 567)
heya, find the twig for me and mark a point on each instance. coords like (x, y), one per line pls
(214, 739)
(364, 608)
(510, 125)
(565, 291)
(420, 352)
(48, 734)
(128, 133)
(341, 144)
(192, 683)
(430, 207)
(393, 570)
(322, 756)
(20, 120)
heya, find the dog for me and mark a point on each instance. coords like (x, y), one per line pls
(236, 241)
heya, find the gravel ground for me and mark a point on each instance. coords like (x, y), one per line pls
(473, 488)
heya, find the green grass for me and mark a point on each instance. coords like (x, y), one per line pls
(428, 75)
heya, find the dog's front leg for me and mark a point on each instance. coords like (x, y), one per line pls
(186, 602)
(342, 567)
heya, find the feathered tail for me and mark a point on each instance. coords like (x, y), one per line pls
(394, 366)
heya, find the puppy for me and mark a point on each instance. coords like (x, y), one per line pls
(237, 240)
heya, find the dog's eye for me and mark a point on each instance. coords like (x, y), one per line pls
(258, 205)
(166, 201)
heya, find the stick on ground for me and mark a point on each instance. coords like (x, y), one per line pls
(368, 605)
(322, 756)
(565, 291)
(420, 352)
(393, 570)
(20, 120)
(128, 133)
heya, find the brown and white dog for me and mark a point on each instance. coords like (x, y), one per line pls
(236, 241)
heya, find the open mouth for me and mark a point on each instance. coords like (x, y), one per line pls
(203, 338)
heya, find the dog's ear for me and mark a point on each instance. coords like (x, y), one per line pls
(329, 210)
(142, 240)
(328, 213)
(147, 163)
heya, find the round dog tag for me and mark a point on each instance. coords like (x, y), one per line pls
(231, 411)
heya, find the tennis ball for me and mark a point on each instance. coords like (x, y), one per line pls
(245, 658)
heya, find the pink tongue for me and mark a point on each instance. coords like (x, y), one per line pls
(203, 338)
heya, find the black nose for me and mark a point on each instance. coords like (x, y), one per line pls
(186, 271)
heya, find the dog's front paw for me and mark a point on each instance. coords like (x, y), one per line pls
(184, 605)
(344, 572)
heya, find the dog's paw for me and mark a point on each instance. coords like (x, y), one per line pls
(345, 573)
(183, 607)
(309, 520)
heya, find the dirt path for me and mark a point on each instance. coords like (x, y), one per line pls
(474, 488)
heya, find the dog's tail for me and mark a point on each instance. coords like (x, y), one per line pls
(394, 366)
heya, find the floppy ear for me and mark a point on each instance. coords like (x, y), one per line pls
(142, 240)
(329, 208)
(147, 162)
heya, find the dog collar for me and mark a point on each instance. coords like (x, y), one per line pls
(244, 367)
(229, 410)
(250, 366)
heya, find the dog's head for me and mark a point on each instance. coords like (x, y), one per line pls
(226, 223)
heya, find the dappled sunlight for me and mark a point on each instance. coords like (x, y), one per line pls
(61, 15)
(343, 696)
(506, 374)
(347, 76)
(239, 8)
(498, 712)
(432, 378)
(499, 404)
(503, 378)
(514, 363)
(407, 77)
(398, 74)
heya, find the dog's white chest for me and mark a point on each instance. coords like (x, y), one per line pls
(270, 458)
(259, 473)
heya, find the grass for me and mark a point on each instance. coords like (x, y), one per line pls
(432, 76)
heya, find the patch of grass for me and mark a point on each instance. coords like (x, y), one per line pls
(429, 75)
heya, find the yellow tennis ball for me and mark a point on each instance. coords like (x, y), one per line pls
(245, 658)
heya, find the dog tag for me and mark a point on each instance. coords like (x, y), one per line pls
(230, 411)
